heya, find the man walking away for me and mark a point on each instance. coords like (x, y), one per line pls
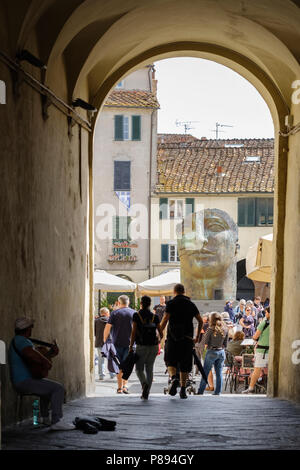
(121, 321)
(100, 323)
(180, 313)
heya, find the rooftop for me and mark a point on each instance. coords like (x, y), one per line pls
(132, 99)
(213, 166)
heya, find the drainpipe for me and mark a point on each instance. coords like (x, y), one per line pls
(150, 190)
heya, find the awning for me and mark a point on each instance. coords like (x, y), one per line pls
(160, 285)
(259, 259)
(110, 283)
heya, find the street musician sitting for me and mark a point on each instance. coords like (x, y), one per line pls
(29, 368)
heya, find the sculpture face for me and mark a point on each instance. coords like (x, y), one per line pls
(208, 244)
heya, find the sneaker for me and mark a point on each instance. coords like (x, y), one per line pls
(173, 386)
(61, 427)
(249, 390)
(183, 393)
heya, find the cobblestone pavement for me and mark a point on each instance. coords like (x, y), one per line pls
(164, 422)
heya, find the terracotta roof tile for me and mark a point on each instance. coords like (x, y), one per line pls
(192, 166)
(132, 99)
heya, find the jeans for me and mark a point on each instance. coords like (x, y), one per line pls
(101, 365)
(213, 358)
(49, 392)
(146, 357)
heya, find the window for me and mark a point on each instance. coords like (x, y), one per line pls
(255, 212)
(121, 230)
(264, 211)
(126, 128)
(175, 208)
(121, 176)
(169, 253)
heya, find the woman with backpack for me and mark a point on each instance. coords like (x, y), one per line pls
(215, 340)
(145, 325)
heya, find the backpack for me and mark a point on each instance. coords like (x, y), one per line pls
(147, 331)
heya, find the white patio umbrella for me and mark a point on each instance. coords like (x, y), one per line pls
(110, 283)
(259, 259)
(160, 285)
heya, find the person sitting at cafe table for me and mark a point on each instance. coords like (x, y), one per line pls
(22, 357)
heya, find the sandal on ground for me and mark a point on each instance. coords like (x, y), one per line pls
(119, 390)
(125, 390)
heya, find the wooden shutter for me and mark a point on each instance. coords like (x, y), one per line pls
(251, 212)
(119, 135)
(115, 227)
(121, 176)
(241, 212)
(163, 207)
(189, 206)
(136, 127)
(270, 211)
(164, 253)
(246, 212)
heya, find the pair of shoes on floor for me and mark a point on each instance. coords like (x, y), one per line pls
(173, 386)
(248, 391)
(182, 393)
(91, 425)
(145, 393)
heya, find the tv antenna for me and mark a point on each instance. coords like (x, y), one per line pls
(217, 130)
(186, 124)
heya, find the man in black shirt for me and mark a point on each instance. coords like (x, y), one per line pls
(180, 313)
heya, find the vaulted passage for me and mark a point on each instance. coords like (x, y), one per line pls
(46, 193)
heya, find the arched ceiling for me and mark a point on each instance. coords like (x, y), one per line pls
(97, 40)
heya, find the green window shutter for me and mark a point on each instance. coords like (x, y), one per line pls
(261, 211)
(250, 212)
(241, 212)
(119, 134)
(164, 253)
(270, 211)
(136, 127)
(246, 212)
(115, 227)
(189, 206)
(163, 207)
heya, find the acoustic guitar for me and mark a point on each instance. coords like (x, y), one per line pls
(48, 351)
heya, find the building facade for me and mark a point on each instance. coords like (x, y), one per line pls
(125, 146)
(235, 176)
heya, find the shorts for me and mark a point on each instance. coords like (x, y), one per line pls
(260, 361)
(122, 353)
(179, 354)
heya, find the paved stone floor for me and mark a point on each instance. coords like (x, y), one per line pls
(164, 422)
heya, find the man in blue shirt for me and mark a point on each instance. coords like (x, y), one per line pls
(121, 321)
(20, 355)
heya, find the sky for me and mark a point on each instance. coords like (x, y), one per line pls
(191, 89)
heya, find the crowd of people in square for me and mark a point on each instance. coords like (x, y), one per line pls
(126, 338)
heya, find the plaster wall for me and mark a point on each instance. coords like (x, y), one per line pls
(43, 250)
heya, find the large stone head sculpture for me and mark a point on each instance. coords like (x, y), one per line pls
(207, 246)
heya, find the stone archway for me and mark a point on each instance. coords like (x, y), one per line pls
(46, 191)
